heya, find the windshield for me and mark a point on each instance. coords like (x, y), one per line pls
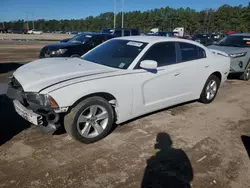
(235, 40)
(81, 38)
(108, 31)
(115, 53)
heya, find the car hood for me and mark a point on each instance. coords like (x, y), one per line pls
(227, 49)
(61, 45)
(43, 73)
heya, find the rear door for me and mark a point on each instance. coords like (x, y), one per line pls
(195, 68)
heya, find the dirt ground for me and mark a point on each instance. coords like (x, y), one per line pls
(44, 36)
(202, 145)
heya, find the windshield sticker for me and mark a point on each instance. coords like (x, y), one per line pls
(137, 44)
(121, 65)
(246, 38)
(89, 36)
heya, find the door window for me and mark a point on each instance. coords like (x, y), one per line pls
(134, 32)
(118, 33)
(126, 32)
(163, 53)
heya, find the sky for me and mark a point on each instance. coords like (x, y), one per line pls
(75, 9)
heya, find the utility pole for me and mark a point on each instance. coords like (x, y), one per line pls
(114, 13)
(27, 21)
(3, 25)
(33, 21)
(122, 13)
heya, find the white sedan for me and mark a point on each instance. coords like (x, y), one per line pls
(118, 80)
(35, 32)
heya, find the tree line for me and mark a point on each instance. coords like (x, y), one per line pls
(208, 20)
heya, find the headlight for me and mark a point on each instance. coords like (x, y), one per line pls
(41, 99)
(238, 54)
(58, 52)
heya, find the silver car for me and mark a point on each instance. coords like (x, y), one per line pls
(237, 46)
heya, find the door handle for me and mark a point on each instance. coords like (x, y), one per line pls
(177, 74)
(206, 66)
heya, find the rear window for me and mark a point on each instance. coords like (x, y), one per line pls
(191, 52)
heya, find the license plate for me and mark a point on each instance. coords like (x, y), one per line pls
(26, 113)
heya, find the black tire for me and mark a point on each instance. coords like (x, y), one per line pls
(70, 119)
(246, 74)
(75, 55)
(203, 97)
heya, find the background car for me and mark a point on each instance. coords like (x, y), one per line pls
(119, 80)
(76, 46)
(238, 48)
(35, 32)
(204, 39)
(16, 31)
(118, 32)
(162, 33)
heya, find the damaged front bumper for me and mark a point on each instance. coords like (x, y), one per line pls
(48, 120)
(35, 118)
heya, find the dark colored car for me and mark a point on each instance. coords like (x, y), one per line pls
(204, 39)
(3, 30)
(75, 47)
(118, 32)
(17, 31)
(162, 33)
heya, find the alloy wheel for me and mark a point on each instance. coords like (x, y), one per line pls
(211, 90)
(92, 121)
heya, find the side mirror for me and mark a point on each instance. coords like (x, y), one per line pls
(149, 64)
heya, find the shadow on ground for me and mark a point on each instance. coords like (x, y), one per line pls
(169, 167)
(7, 67)
(246, 142)
(10, 122)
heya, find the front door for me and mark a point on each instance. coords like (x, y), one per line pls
(174, 81)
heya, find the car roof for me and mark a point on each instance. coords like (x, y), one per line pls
(240, 34)
(94, 34)
(153, 39)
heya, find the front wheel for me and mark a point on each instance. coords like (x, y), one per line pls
(210, 89)
(90, 120)
(246, 75)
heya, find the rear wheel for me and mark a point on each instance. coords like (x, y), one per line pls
(210, 89)
(90, 120)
